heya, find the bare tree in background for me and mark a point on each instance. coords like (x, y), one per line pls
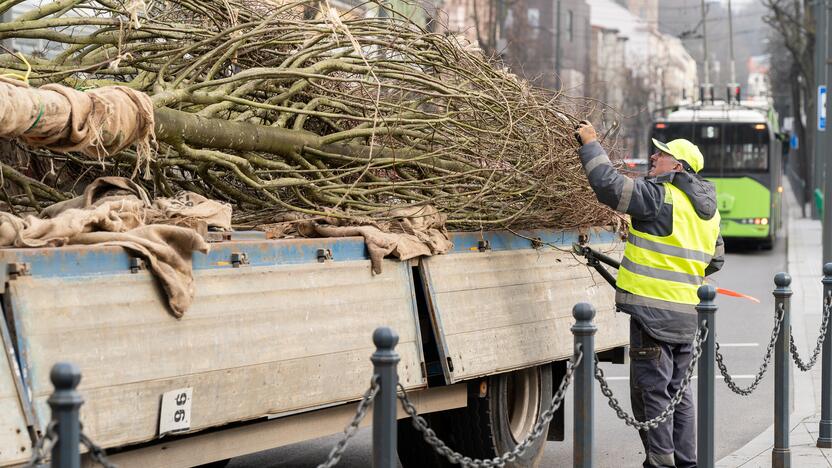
(793, 24)
(519, 33)
(489, 19)
(636, 111)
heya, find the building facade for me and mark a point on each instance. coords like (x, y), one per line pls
(759, 85)
(636, 69)
(544, 41)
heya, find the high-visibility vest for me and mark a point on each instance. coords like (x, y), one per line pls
(665, 272)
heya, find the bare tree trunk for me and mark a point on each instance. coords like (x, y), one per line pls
(488, 21)
(176, 127)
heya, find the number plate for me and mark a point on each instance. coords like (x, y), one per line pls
(175, 415)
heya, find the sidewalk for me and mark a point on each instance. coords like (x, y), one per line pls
(804, 266)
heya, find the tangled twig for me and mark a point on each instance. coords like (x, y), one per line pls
(377, 112)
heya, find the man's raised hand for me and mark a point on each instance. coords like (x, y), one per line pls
(585, 133)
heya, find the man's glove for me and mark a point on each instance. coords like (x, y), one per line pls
(585, 133)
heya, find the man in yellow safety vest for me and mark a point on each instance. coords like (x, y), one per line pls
(673, 243)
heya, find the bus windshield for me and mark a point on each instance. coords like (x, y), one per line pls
(728, 148)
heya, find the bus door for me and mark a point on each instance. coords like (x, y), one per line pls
(745, 195)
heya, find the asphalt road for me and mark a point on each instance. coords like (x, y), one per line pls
(743, 329)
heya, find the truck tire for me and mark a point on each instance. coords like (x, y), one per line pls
(502, 410)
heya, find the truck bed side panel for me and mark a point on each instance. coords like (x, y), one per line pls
(14, 438)
(259, 340)
(496, 311)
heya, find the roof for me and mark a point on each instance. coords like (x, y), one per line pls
(608, 14)
(719, 112)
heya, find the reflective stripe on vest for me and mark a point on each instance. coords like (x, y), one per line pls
(668, 270)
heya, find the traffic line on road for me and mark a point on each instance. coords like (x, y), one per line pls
(735, 377)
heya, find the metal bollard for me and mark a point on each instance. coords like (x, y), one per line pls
(385, 359)
(584, 414)
(825, 429)
(706, 314)
(66, 403)
(781, 454)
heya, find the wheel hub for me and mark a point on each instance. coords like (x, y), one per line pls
(523, 402)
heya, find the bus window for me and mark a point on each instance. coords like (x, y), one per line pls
(705, 136)
(710, 139)
(727, 147)
(746, 148)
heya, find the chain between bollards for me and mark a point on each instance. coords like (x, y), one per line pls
(781, 454)
(441, 448)
(705, 407)
(761, 372)
(584, 413)
(361, 411)
(382, 395)
(698, 339)
(825, 425)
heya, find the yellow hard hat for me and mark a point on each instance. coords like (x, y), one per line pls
(683, 150)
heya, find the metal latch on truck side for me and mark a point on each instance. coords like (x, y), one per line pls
(239, 259)
(18, 269)
(324, 255)
(136, 264)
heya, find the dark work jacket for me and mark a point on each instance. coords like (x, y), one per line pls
(643, 199)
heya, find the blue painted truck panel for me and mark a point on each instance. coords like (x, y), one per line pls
(103, 260)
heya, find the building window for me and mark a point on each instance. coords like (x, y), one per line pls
(457, 20)
(533, 20)
(533, 17)
(570, 23)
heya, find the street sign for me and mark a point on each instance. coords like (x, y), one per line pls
(822, 108)
(793, 143)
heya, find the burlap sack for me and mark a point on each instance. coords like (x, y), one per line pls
(97, 123)
(117, 211)
(187, 206)
(411, 232)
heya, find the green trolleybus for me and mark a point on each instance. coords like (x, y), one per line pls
(743, 160)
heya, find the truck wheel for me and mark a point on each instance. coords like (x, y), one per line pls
(501, 412)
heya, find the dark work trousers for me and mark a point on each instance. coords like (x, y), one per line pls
(656, 372)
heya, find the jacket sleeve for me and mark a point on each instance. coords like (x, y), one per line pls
(639, 198)
(719, 257)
